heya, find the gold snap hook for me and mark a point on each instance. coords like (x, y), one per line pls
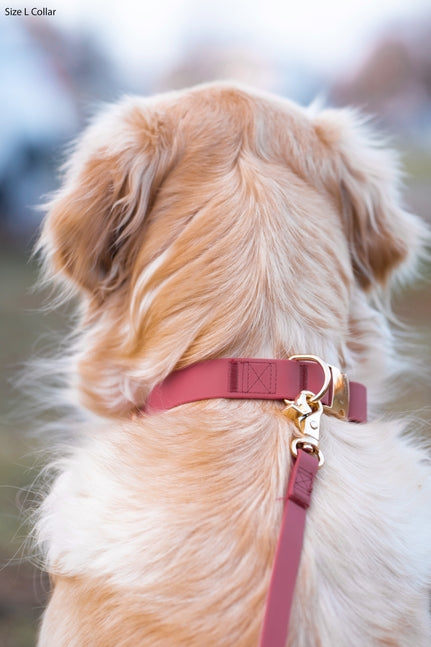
(311, 448)
(307, 423)
(307, 410)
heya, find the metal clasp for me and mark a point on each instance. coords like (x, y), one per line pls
(340, 398)
(306, 415)
(306, 412)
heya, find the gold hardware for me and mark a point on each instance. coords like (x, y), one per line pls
(307, 410)
(306, 414)
(299, 407)
(326, 372)
(339, 406)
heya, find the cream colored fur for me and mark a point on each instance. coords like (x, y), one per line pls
(219, 221)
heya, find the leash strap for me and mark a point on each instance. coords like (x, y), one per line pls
(275, 379)
(288, 554)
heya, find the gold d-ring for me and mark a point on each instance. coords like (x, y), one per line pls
(326, 373)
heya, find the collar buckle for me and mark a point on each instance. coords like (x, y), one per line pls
(335, 385)
(339, 406)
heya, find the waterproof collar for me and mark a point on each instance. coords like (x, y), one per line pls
(261, 379)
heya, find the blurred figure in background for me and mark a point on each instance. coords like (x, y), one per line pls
(50, 80)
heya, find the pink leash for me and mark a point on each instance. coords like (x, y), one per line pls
(288, 554)
(309, 386)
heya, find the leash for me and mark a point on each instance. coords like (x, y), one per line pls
(275, 626)
(309, 387)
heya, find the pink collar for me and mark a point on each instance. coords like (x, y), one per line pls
(259, 379)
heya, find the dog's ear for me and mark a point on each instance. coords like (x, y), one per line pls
(364, 178)
(96, 221)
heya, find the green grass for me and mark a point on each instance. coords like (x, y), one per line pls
(417, 165)
(22, 587)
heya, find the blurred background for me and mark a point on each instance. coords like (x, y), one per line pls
(54, 72)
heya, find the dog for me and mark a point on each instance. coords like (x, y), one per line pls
(224, 222)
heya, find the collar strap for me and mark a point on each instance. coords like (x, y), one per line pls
(260, 379)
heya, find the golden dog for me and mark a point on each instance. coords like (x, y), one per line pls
(224, 222)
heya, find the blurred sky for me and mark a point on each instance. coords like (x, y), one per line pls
(327, 35)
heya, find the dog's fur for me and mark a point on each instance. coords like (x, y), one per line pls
(212, 222)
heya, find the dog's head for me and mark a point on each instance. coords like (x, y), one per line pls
(219, 221)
